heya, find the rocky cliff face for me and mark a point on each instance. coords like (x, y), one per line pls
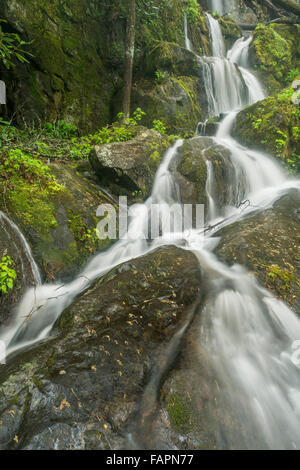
(78, 53)
(67, 76)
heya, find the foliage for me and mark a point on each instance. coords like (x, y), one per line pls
(160, 76)
(292, 74)
(159, 126)
(274, 124)
(24, 165)
(274, 48)
(11, 48)
(7, 274)
(192, 11)
(61, 129)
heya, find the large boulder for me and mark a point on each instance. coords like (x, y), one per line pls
(268, 245)
(58, 218)
(272, 125)
(13, 245)
(274, 52)
(190, 170)
(129, 167)
(174, 100)
(83, 388)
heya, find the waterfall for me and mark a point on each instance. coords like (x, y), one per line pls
(228, 84)
(5, 222)
(188, 44)
(217, 6)
(239, 52)
(216, 36)
(247, 335)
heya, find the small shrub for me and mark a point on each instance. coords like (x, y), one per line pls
(7, 274)
(159, 126)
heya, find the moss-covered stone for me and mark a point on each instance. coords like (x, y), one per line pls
(274, 51)
(230, 29)
(67, 77)
(58, 217)
(84, 387)
(174, 100)
(129, 167)
(272, 125)
(268, 245)
(190, 171)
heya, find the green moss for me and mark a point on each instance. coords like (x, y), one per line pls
(280, 279)
(230, 29)
(274, 53)
(179, 412)
(179, 116)
(273, 125)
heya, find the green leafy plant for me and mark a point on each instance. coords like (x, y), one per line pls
(61, 129)
(292, 74)
(159, 126)
(160, 76)
(7, 274)
(12, 48)
(191, 10)
(23, 164)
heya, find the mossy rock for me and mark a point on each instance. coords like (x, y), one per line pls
(172, 58)
(274, 52)
(175, 101)
(83, 388)
(267, 244)
(230, 29)
(272, 125)
(128, 168)
(190, 171)
(58, 219)
(67, 77)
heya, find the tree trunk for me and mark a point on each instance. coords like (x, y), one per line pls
(129, 56)
(288, 5)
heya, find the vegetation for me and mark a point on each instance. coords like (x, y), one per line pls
(275, 54)
(7, 274)
(12, 48)
(273, 124)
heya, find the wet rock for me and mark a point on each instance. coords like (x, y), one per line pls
(130, 167)
(175, 101)
(190, 170)
(267, 244)
(273, 44)
(82, 389)
(11, 245)
(188, 417)
(58, 219)
(271, 125)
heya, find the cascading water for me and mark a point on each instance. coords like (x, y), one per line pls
(188, 44)
(216, 36)
(5, 223)
(246, 334)
(229, 86)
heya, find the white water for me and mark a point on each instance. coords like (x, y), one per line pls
(246, 333)
(217, 41)
(188, 44)
(229, 85)
(6, 222)
(239, 52)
